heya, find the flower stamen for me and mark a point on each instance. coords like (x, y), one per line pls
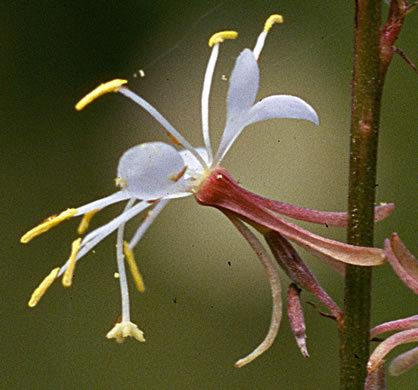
(130, 259)
(271, 20)
(173, 139)
(47, 224)
(102, 89)
(214, 42)
(219, 37)
(43, 286)
(146, 223)
(163, 122)
(67, 279)
(177, 176)
(85, 221)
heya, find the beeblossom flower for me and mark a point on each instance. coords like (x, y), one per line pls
(405, 265)
(151, 174)
(406, 332)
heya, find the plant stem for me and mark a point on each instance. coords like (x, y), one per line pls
(367, 87)
(373, 52)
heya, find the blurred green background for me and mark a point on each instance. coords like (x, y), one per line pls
(199, 313)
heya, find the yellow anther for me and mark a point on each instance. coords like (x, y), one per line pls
(177, 176)
(121, 183)
(84, 224)
(133, 267)
(67, 279)
(219, 37)
(272, 20)
(173, 139)
(102, 89)
(43, 286)
(47, 224)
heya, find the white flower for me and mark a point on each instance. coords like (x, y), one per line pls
(151, 174)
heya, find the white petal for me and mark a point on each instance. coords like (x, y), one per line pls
(243, 85)
(192, 164)
(277, 106)
(150, 171)
(281, 106)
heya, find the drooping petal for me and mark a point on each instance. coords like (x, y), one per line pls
(274, 280)
(405, 257)
(401, 324)
(296, 318)
(404, 362)
(407, 336)
(324, 247)
(281, 106)
(402, 261)
(376, 380)
(339, 219)
(336, 265)
(152, 171)
(298, 272)
(221, 191)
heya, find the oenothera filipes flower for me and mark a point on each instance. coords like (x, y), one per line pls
(407, 333)
(151, 174)
(405, 265)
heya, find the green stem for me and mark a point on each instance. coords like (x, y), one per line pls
(373, 52)
(367, 86)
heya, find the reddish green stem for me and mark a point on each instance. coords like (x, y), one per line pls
(373, 50)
